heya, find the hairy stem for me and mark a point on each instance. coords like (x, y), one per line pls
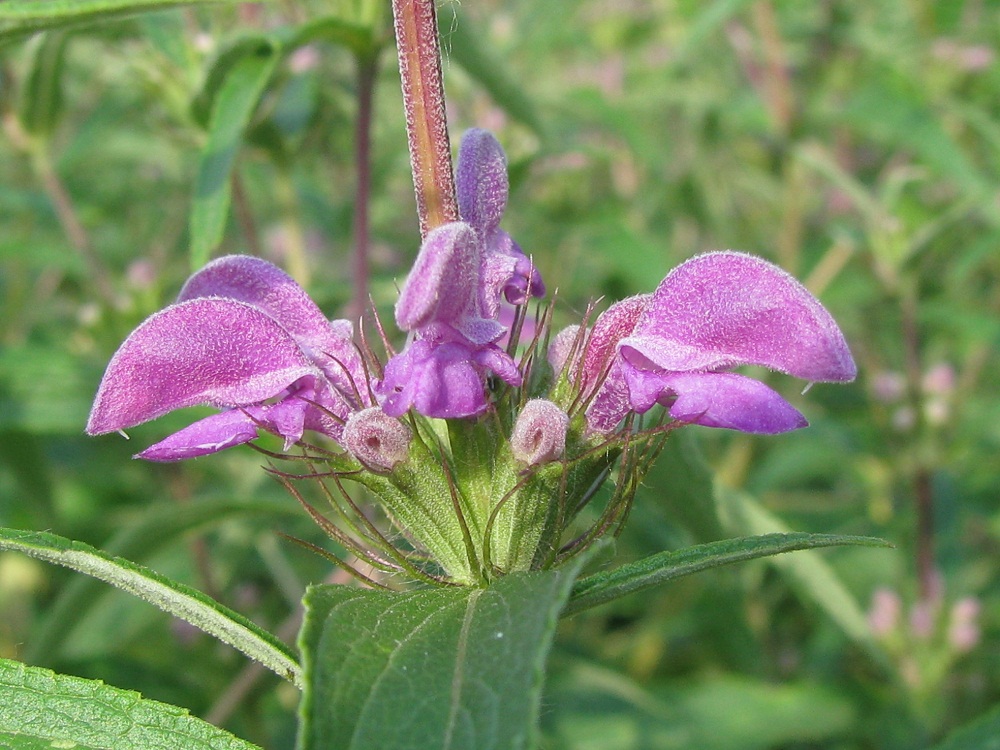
(426, 121)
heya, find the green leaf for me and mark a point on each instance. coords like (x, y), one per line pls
(20, 18)
(443, 668)
(41, 99)
(808, 573)
(359, 38)
(157, 526)
(982, 733)
(461, 41)
(176, 598)
(232, 110)
(42, 709)
(665, 566)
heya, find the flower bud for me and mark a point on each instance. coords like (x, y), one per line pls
(376, 439)
(539, 434)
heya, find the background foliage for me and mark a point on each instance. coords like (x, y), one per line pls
(855, 143)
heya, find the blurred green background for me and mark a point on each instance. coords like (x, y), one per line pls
(854, 142)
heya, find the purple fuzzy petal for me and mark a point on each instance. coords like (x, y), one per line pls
(442, 287)
(481, 181)
(715, 399)
(507, 273)
(497, 361)
(203, 351)
(563, 346)
(438, 380)
(266, 287)
(610, 404)
(208, 435)
(725, 309)
(614, 324)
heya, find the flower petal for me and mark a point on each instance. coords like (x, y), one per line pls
(507, 273)
(726, 309)
(203, 351)
(438, 380)
(208, 435)
(443, 286)
(481, 180)
(266, 287)
(716, 399)
(610, 404)
(614, 324)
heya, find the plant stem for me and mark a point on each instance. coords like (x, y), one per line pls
(923, 487)
(424, 104)
(367, 68)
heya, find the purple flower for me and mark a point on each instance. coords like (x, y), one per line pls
(244, 337)
(441, 371)
(482, 187)
(713, 313)
(451, 300)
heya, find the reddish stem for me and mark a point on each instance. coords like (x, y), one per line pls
(424, 104)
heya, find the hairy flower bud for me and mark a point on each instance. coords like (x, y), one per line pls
(539, 434)
(376, 439)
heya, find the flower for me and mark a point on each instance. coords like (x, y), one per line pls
(712, 313)
(244, 337)
(451, 300)
(481, 188)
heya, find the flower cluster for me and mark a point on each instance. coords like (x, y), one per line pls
(494, 486)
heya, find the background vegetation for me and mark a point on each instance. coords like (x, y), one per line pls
(856, 143)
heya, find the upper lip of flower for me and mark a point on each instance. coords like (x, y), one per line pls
(714, 312)
(242, 333)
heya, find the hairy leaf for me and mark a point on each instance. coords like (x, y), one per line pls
(665, 566)
(443, 668)
(176, 598)
(42, 709)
